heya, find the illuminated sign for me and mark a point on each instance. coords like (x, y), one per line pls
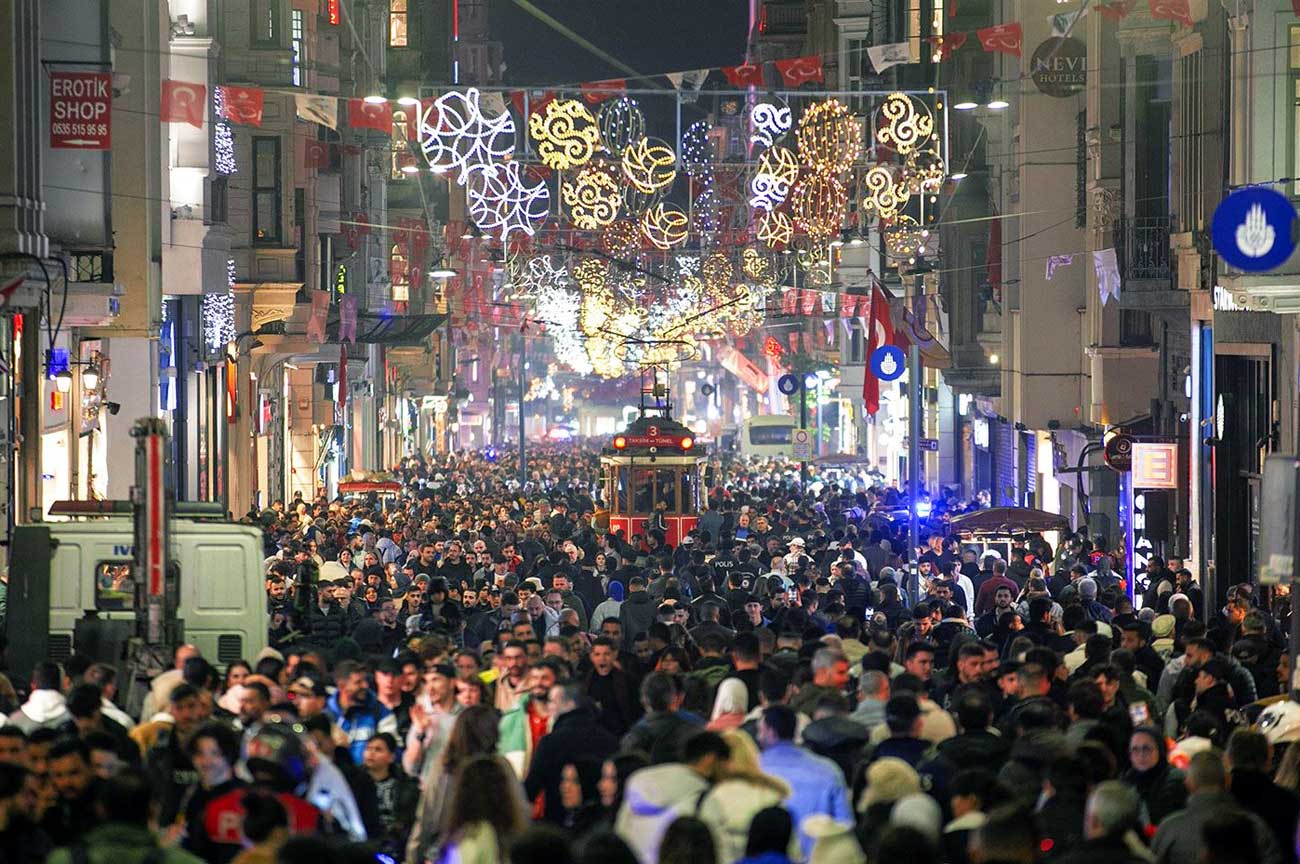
(332, 12)
(1155, 466)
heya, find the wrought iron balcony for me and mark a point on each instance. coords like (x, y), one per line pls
(1143, 249)
(779, 19)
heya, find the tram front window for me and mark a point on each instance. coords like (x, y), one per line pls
(665, 489)
(643, 485)
(690, 504)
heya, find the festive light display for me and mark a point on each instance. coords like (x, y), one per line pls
(621, 123)
(769, 122)
(593, 197)
(565, 133)
(649, 165)
(775, 229)
(697, 150)
(926, 172)
(501, 201)
(217, 312)
(665, 226)
(777, 171)
(885, 196)
(454, 133)
(755, 265)
(819, 205)
(622, 239)
(829, 138)
(223, 137)
(902, 125)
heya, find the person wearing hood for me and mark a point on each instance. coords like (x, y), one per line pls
(609, 607)
(1160, 785)
(356, 709)
(654, 797)
(46, 707)
(637, 611)
(575, 736)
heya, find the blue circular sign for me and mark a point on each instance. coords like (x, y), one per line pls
(1252, 229)
(888, 363)
(788, 384)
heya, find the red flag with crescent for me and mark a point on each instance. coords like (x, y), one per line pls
(183, 102)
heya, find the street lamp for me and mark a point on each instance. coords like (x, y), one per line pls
(63, 381)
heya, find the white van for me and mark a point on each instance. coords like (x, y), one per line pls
(222, 599)
(767, 435)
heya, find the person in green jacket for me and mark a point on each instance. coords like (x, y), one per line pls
(122, 804)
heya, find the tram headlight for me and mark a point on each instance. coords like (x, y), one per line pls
(620, 442)
(687, 443)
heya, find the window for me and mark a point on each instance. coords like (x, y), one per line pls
(1294, 65)
(852, 70)
(297, 41)
(266, 190)
(218, 203)
(266, 23)
(760, 435)
(114, 586)
(397, 19)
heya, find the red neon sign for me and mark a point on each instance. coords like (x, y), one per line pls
(332, 12)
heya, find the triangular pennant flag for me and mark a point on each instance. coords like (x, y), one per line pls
(1003, 38)
(1057, 261)
(694, 79)
(676, 78)
(884, 56)
(492, 103)
(243, 105)
(183, 102)
(1178, 11)
(1064, 23)
(807, 301)
(801, 70)
(317, 109)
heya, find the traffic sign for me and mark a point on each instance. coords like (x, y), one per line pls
(1253, 229)
(888, 363)
(931, 444)
(788, 384)
(707, 389)
(1119, 453)
(800, 445)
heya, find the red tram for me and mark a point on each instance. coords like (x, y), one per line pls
(652, 476)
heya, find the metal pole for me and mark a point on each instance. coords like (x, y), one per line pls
(914, 406)
(803, 424)
(523, 385)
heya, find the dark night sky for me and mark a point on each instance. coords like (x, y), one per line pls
(651, 36)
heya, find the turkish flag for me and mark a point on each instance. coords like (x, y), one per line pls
(317, 154)
(1002, 38)
(183, 102)
(243, 105)
(880, 332)
(801, 70)
(946, 44)
(1119, 9)
(599, 91)
(370, 115)
(748, 75)
(1171, 10)
(536, 104)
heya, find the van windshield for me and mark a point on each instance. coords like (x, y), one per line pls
(770, 434)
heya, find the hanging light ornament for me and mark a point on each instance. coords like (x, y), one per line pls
(697, 150)
(775, 230)
(565, 133)
(829, 137)
(777, 171)
(905, 239)
(769, 122)
(665, 226)
(593, 197)
(500, 201)
(649, 165)
(621, 123)
(885, 196)
(925, 172)
(455, 133)
(622, 239)
(819, 205)
(900, 124)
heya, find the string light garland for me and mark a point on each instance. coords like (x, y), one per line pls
(829, 138)
(622, 239)
(217, 312)
(500, 201)
(223, 137)
(565, 133)
(454, 133)
(649, 165)
(593, 197)
(665, 226)
(819, 202)
(697, 150)
(769, 122)
(621, 123)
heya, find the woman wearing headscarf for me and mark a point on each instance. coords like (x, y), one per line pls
(1158, 784)
(742, 791)
(729, 706)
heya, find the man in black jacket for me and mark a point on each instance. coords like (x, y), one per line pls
(637, 612)
(663, 731)
(1248, 757)
(575, 738)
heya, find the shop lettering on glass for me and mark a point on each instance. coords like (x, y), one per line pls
(81, 110)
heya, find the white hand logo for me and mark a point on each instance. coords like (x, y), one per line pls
(888, 365)
(1255, 236)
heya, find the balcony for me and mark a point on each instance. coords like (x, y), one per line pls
(779, 19)
(1146, 264)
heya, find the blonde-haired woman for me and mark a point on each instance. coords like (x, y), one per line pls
(743, 790)
(730, 706)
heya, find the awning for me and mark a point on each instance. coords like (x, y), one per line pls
(382, 329)
(1008, 520)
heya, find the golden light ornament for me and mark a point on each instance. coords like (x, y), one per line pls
(593, 197)
(778, 169)
(665, 226)
(775, 229)
(566, 134)
(829, 137)
(717, 271)
(755, 265)
(815, 261)
(902, 125)
(649, 165)
(926, 172)
(819, 205)
(906, 239)
(622, 238)
(885, 196)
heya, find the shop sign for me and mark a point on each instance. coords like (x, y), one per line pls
(80, 110)
(1119, 453)
(1059, 66)
(1155, 465)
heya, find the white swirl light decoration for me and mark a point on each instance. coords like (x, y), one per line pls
(501, 201)
(454, 133)
(770, 185)
(769, 121)
(559, 307)
(540, 274)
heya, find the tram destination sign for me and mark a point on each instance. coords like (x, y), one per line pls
(653, 437)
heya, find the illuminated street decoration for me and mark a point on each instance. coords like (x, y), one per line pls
(884, 197)
(901, 125)
(565, 133)
(665, 226)
(777, 171)
(454, 133)
(926, 172)
(829, 138)
(697, 151)
(819, 205)
(649, 165)
(621, 123)
(218, 314)
(593, 197)
(621, 239)
(755, 265)
(501, 201)
(769, 122)
(775, 229)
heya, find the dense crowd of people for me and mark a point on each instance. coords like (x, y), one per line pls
(478, 671)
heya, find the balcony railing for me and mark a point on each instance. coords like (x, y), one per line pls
(782, 20)
(1143, 249)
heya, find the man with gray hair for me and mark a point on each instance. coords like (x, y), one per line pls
(1178, 839)
(873, 693)
(1108, 823)
(830, 670)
